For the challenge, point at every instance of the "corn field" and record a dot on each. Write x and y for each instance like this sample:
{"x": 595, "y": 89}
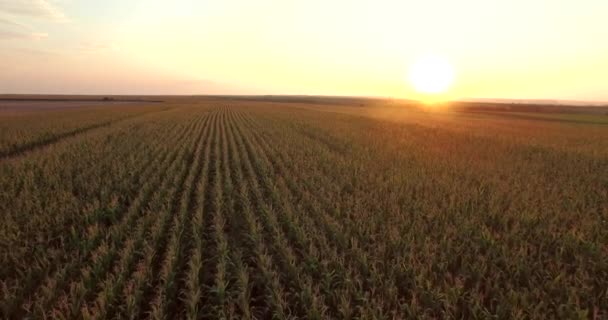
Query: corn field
{"x": 236, "y": 209}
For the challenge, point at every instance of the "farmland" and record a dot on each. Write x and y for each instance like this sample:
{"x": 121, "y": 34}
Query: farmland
{"x": 243, "y": 208}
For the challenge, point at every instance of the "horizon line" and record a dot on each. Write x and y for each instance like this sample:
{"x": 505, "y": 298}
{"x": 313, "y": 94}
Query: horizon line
{"x": 543, "y": 101}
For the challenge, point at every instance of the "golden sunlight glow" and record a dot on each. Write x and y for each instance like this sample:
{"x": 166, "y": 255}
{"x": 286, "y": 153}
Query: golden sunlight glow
{"x": 385, "y": 48}
{"x": 431, "y": 75}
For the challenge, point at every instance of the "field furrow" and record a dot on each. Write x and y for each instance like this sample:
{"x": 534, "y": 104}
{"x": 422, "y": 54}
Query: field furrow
{"x": 222, "y": 208}
{"x": 136, "y": 216}
{"x": 47, "y": 139}
{"x": 77, "y": 248}
{"x": 166, "y": 238}
{"x": 123, "y": 270}
{"x": 331, "y": 257}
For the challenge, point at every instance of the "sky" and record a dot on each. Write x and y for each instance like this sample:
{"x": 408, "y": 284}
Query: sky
{"x": 516, "y": 49}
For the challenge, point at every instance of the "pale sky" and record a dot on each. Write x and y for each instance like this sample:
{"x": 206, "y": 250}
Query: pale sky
{"x": 528, "y": 49}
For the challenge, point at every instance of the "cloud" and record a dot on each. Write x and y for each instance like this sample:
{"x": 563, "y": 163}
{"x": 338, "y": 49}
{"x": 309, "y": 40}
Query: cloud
{"x": 41, "y": 9}
{"x": 11, "y": 30}
{"x": 12, "y": 11}
{"x": 8, "y": 35}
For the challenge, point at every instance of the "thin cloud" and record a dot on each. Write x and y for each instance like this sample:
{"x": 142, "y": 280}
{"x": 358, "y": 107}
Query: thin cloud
{"x": 41, "y": 9}
{"x": 11, "y": 30}
{"x": 16, "y": 35}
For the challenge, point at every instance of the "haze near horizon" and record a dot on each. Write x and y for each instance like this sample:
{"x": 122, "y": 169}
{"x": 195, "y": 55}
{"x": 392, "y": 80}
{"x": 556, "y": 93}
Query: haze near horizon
{"x": 492, "y": 49}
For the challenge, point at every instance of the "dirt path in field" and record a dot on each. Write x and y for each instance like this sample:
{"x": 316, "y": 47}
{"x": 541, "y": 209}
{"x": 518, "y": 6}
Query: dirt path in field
{"x": 45, "y": 142}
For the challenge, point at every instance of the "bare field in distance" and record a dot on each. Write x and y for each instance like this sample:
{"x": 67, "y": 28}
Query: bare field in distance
{"x": 302, "y": 207}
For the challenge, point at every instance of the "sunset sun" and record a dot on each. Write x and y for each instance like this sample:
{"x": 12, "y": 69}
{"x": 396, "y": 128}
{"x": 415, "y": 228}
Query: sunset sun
{"x": 431, "y": 75}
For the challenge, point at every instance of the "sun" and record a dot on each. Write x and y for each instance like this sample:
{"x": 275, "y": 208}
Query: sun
{"x": 431, "y": 75}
